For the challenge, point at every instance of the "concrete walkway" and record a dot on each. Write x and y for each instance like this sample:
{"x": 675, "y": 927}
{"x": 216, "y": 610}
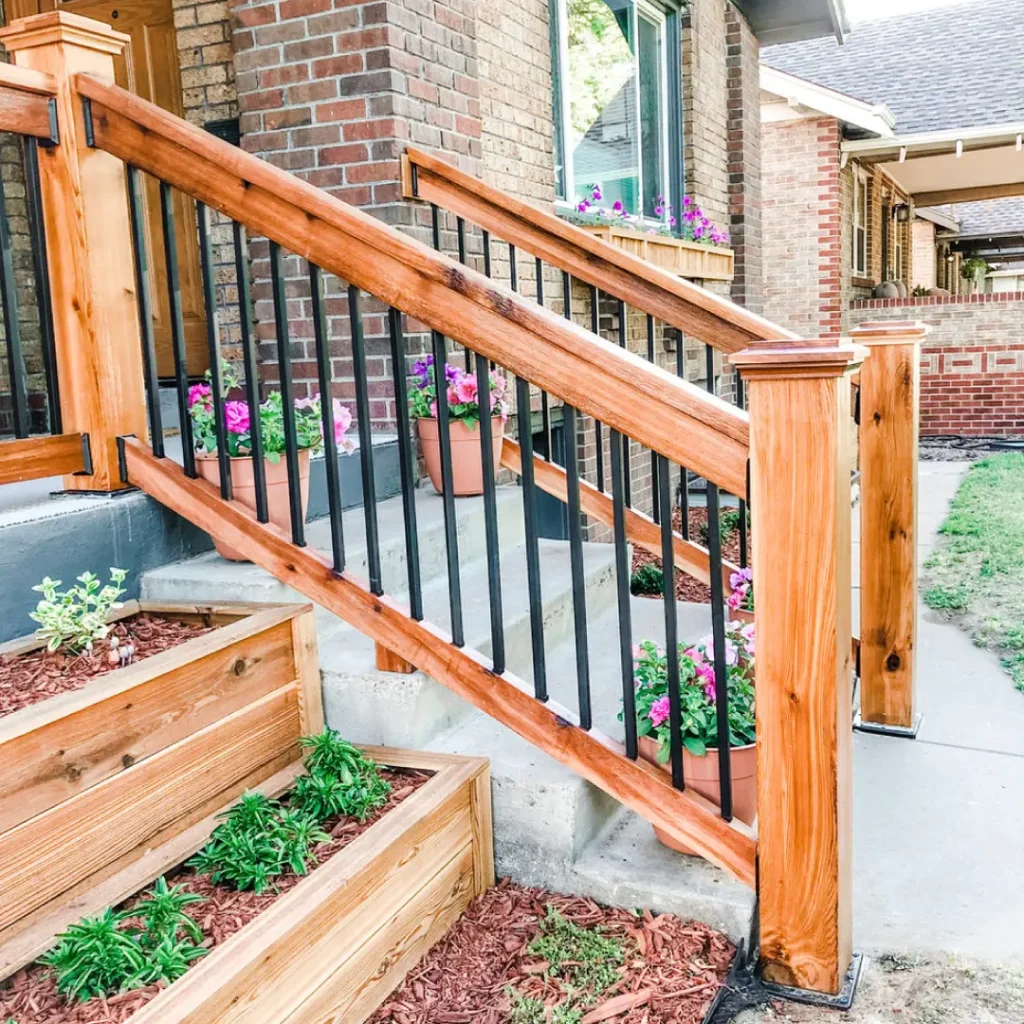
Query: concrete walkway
{"x": 939, "y": 821}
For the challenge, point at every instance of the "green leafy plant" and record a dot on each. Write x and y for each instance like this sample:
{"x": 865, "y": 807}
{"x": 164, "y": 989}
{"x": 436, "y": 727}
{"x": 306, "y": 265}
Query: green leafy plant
{"x": 95, "y": 957}
{"x": 647, "y": 579}
{"x": 971, "y": 267}
{"x": 161, "y": 912}
{"x": 76, "y": 617}
{"x": 583, "y": 959}
{"x": 339, "y": 780}
{"x": 920, "y": 291}
{"x": 256, "y": 842}
{"x": 527, "y": 1010}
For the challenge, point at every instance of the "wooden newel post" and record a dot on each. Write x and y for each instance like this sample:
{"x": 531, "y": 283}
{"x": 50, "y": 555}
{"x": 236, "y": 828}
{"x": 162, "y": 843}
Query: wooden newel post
{"x": 889, "y": 399}
{"x": 799, "y": 403}
{"x": 89, "y": 252}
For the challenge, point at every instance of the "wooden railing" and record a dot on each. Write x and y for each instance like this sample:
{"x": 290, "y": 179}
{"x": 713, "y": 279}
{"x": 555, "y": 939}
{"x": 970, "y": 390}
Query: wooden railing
{"x": 794, "y": 434}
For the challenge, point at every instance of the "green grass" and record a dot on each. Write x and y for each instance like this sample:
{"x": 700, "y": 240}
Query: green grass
{"x": 977, "y": 575}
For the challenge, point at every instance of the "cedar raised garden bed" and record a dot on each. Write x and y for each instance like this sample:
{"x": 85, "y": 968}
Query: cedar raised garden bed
{"x": 334, "y": 946}
{"x": 92, "y": 780}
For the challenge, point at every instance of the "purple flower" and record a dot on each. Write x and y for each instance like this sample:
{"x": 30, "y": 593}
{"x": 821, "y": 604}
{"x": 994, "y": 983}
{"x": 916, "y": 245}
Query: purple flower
{"x": 236, "y": 416}
{"x": 597, "y": 194}
{"x": 617, "y": 206}
{"x": 583, "y": 206}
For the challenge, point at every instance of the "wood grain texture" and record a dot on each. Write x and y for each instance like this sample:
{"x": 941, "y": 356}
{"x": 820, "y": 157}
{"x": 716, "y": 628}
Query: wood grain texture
{"x": 304, "y": 940}
{"x": 306, "y": 655}
{"x": 968, "y": 195}
{"x": 160, "y": 857}
{"x": 49, "y": 853}
{"x": 58, "y": 749}
{"x": 549, "y": 726}
{"x": 25, "y": 113}
{"x": 28, "y": 80}
{"x": 483, "y": 831}
{"x": 35, "y": 458}
{"x": 890, "y": 395}
{"x": 88, "y": 248}
{"x": 641, "y": 530}
{"x": 388, "y": 661}
{"x": 623, "y": 390}
{"x": 699, "y": 313}
{"x": 800, "y": 505}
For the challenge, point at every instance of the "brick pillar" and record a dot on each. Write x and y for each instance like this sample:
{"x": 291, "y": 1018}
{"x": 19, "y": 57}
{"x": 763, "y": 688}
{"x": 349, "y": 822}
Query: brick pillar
{"x": 333, "y": 91}
{"x": 744, "y": 148}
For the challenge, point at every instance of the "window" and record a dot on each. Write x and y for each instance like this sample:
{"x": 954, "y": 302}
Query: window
{"x": 617, "y": 106}
{"x": 860, "y": 223}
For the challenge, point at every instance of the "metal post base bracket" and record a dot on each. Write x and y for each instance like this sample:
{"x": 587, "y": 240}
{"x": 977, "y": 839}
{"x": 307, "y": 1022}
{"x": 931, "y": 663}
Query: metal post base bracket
{"x": 903, "y": 731}
{"x": 842, "y": 1001}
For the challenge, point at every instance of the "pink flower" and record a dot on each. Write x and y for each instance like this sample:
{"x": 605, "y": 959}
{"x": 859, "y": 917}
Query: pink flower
{"x": 306, "y": 402}
{"x": 433, "y": 409}
{"x": 466, "y": 390}
{"x": 236, "y": 415}
{"x": 199, "y": 393}
{"x": 748, "y": 634}
{"x": 660, "y": 711}
{"x": 342, "y": 421}
{"x": 735, "y": 599}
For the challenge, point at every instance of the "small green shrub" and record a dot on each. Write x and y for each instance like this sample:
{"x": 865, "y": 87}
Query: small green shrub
{"x": 340, "y": 780}
{"x": 948, "y": 597}
{"x": 582, "y": 958}
{"x": 75, "y": 617}
{"x": 527, "y": 1010}
{"x": 647, "y": 579}
{"x": 161, "y": 912}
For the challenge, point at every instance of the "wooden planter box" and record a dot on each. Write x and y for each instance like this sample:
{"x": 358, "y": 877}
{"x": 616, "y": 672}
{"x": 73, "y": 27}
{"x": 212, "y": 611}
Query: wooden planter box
{"x": 685, "y": 259}
{"x": 92, "y": 780}
{"x": 336, "y": 945}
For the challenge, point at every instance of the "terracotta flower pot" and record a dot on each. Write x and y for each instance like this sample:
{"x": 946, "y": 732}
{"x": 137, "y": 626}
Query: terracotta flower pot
{"x": 243, "y": 489}
{"x": 467, "y": 457}
{"x": 701, "y": 775}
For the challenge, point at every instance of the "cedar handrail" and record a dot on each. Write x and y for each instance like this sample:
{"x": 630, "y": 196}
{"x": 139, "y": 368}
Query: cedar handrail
{"x": 699, "y": 313}
{"x": 27, "y": 105}
{"x": 38, "y": 457}
{"x": 644, "y": 402}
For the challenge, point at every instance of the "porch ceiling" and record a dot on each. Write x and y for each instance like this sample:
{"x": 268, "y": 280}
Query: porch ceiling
{"x": 954, "y": 166}
{"x": 789, "y": 21}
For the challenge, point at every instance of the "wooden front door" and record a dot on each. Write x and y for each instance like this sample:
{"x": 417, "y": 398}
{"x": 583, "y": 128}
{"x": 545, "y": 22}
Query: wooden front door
{"x": 151, "y": 70}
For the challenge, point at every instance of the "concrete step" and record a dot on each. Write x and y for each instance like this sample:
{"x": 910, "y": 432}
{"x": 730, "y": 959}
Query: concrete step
{"x": 370, "y": 706}
{"x": 554, "y": 829}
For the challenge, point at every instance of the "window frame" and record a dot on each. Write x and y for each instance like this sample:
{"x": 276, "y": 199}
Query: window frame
{"x": 861, "y": 209}
{"x": 667, "y": 14}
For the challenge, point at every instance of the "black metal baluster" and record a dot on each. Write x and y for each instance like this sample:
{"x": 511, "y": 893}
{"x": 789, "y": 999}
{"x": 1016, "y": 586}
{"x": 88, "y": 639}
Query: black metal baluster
{"x": 355, "y": 316}
{"x": 145, "y": 306}
{"x": 655, "y": 489}
{"x": 460, "y": 230}
{"x": 721, "y": 669}
{"x": 284, "y": 361}
{"x": 324, "y": 375}
{"x": 595, "y": 328}
{"x": 684, "y": 502}
{"x": 513, "y": 268}
{"x": 540, "y": 683}
{"x": 451, "y": 526}
{"x": 622, "y": 578}
{"x": 490, "y": 516}
{"x": 12, "y": 328}
{"x": 406, "y": 463}
{"x": 250, "y": 370}
{"x": 675, "y": 718}
{"x": 709, "y": 367}
{"x": 579, "y": 583}
{"x": 37, "y": 231}
{"x": 680, "y": 356}
{"x": 177, "y": 328}
{"x": 145, "y": 301}
{"x": 624, "y": 344}
{"x": 545, "y": 404}
{"x": 485, "y": 237}
{"x": 744, "y": 505}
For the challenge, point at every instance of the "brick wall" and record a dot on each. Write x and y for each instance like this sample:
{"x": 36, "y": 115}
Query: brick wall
{"x": 744, "y": 153}
{"x": 803, "y": 226}
{"x": 972, "y": 363}
{"x": 923, "y": 272}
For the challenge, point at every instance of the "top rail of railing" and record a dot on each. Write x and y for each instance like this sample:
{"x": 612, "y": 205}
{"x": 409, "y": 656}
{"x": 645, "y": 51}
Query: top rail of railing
{"x": 648, "y": 404}
{"x": 699, "y": 313}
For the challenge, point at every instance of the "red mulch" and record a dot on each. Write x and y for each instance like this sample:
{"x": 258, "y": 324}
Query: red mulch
{"x": 30, "y": 995}
{"x": 38, "y": 675}
{"x": 670, "y": 976}
{"x": 688, "y": 588}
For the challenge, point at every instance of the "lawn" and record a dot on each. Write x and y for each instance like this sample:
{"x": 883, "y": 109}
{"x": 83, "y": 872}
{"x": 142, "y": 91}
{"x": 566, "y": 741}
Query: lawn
{"x": 977, "y": 573}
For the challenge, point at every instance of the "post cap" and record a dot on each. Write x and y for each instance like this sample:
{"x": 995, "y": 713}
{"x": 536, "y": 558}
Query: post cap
{"x": 783, "y": 359}
{"x": 62, "y": 27}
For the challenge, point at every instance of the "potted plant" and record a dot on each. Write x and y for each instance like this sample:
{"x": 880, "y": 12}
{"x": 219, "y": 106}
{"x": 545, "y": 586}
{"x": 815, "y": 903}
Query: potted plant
{"x": 238, "y": 423}
{"x": 464, "y": 421}
{"x": 697, "y": 695}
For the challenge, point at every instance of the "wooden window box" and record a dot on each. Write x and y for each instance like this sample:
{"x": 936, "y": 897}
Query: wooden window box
{"x": 336, "y": 945}
{"x": 92, "y": 780}
{"x": 685, "y": 259}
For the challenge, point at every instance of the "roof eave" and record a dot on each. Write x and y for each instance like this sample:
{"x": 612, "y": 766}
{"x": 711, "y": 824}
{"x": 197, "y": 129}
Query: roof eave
{"x": 792, "y": 21}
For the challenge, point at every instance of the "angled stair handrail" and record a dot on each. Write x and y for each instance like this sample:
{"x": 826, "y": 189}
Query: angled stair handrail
{"x": 680, "y": 303}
